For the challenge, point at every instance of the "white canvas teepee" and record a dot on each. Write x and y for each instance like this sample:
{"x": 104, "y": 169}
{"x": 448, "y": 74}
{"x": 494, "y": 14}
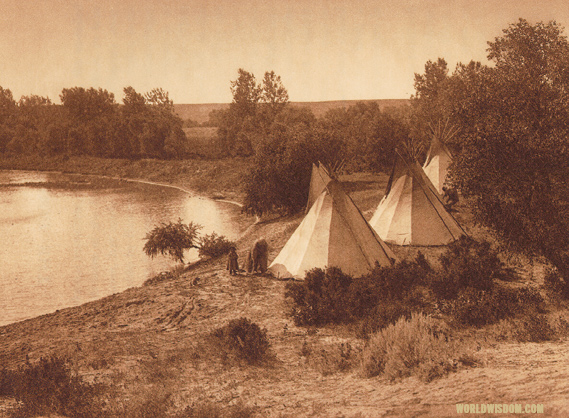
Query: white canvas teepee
{"x": 412, "y": 211}
{"x": 334, "y": 233}
{"x": 439, "y": 157}
{"x": 318, "y": 181}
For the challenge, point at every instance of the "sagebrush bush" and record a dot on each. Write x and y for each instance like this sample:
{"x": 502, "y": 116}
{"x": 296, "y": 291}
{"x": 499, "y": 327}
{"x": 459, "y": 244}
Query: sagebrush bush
{"x": 478, "y": 307}
{"x": 165, "y": 276}
{"x": 554, "y": 284}
{"x": 214, "y": 245}
{"x": 468, "y": 263}
{"x": 49, "y": 387}
{"x": 321, "y": 298}
{"x": 331, "y": 296}
{"x": 242, "y": 340}
{"x": 417, "y": 346}
{"x": 529, "y": 328}
{"x": 383, "y": 314}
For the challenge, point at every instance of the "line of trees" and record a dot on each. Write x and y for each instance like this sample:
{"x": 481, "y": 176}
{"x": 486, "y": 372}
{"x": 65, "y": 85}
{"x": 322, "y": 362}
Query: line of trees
{"x": 90, "y": 122}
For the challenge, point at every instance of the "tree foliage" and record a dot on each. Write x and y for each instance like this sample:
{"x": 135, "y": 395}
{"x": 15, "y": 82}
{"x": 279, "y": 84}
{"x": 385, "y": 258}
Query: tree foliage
{"x": 251, "y": 113}
{"x": 172, "y": 239}
{"x": 512, "y": 151}
{"x": 365, "y": 135}
{"x": 280, "y": 176}
{"x": 90, "y": 122}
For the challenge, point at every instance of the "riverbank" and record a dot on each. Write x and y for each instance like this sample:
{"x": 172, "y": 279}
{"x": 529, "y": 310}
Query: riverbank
{"x": 150, "y": 345}
{"x": 218, "y": 179}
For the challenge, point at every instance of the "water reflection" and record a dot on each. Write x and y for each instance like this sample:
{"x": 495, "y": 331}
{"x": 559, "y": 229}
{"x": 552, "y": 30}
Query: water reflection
{"x": 63, "y": 245}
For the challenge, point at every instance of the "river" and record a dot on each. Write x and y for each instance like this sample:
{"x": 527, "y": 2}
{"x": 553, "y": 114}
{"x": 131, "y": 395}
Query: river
{"x": 69, "y": 239}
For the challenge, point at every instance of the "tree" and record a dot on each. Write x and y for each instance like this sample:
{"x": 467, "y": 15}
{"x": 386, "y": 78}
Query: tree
{"x": 430, "y": 103}
{"x": 172, "y": 239}
{"x": 160, "y": 98}
{"x": 273, "y": 94}
{"x": 93, "y": 116}
{"x": 514, "y": 121}
{"x": 246, "y": 123}
{"x": 280, "y": 176}
{"x": 133, "y": 102}
{"x": 246, "y": 94}
{"x": 366, "y": 135}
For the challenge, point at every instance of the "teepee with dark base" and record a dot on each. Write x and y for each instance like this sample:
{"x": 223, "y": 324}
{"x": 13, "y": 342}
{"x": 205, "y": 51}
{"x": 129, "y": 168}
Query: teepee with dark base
{"x": 412, "y": 211}
{"x": 439, "y": 157}
{"x": 334, "y": 233}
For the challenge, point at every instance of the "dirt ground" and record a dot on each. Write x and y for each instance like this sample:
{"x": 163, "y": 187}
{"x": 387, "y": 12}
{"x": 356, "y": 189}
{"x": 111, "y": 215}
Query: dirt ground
{"x": 148, "y": 342}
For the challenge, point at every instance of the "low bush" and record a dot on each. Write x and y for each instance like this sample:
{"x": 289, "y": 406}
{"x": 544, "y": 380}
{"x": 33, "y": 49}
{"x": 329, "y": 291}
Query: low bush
{"x": 529, "y": 328}
{"x": 417, "y": 346}
{"x": 214, "y": 245}
{"x": 166, "y": 276}
{"x": 331, "y": 296}
{"x": 468, "y": 264}
{"x": 242, "y": 340}
{"x": 555, "y": 285}
{"x": 478, "y": 307}
{"x": 321, "y": 298}
{"x": 383, "y": 314}
{"x": 49, "y": 387}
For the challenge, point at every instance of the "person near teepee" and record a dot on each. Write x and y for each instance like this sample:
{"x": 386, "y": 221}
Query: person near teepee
{"x": 450, "y": 196}
{"x": 232, "y": 263}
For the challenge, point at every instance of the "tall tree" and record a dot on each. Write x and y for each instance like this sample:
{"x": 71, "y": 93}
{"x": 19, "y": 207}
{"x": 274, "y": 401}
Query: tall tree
{"x": 252, "y": 111}
{"x": 514, "y": 141}
{"x": 160, "y": 98}
{"x": 246, "y": 94}
{"x": 273, "y": 93}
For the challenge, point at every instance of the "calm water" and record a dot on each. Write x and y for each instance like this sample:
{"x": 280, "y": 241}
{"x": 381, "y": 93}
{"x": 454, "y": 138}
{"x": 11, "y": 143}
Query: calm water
{"x": 68, "y": 239}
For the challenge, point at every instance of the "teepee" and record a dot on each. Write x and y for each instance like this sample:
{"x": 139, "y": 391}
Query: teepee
{"x": 412, "y": 211}
{"x": 319, "y": 179}
{"x": 334, "y": 233}
{"x": 439, "y": 157}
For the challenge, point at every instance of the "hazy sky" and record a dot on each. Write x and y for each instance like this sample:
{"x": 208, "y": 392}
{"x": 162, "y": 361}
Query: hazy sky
{"x": 322, "y": 49}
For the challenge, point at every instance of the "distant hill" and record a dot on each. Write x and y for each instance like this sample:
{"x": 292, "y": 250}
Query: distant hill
{"x": 200, "y": 112}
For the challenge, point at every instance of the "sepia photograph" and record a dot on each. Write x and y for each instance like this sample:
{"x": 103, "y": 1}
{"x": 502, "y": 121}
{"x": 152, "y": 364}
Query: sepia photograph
{"x": 284, "y": 208}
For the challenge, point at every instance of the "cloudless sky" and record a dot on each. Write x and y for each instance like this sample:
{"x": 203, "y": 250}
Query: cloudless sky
{"x": 322, "y": 49}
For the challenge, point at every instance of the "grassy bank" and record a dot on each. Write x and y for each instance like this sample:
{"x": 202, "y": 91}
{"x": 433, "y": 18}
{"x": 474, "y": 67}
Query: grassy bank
{"x": 212, "y": 178}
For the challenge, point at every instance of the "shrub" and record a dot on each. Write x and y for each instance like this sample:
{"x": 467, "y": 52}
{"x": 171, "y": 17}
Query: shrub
{"x": 49, "y": 387}
{"x": 171, "y": 239}
{"x": 555, "y": 284}
{"x": 478, "y": 307}
{"x": 165, "y": 276}
{"x": 384, "y": 314}
{"x": 321, "y": 298}
{"x": 468, "y": 263}
{"x": 418, "y": 346}
{"x": 334, "y": 297}
{"x": 242, "y": 340}
{"x": 529, "y": 328}
{"x": 214, "y": 245}
{"x": 7, "y": 378}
